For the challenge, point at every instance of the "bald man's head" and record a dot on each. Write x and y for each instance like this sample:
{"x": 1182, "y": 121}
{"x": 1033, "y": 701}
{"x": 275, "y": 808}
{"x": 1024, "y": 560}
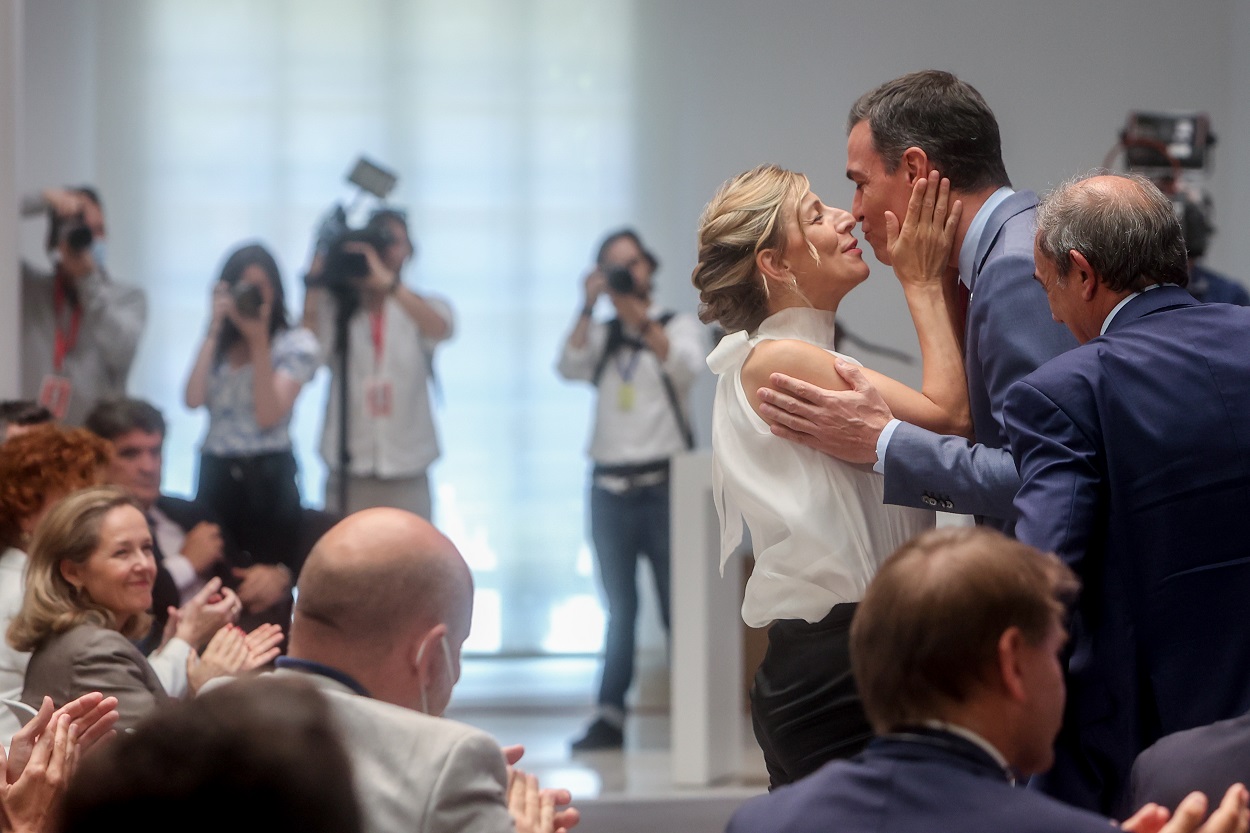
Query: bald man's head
{"x": 376, "y": 578}
{"x": 1122, "y": 224}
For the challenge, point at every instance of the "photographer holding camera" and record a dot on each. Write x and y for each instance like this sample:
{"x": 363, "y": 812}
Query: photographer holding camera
{"x": 248, "y": 372}
{"x": 80, "y": 329}
{"x": 642, "y": 363}
{"x": 391, "y": 333}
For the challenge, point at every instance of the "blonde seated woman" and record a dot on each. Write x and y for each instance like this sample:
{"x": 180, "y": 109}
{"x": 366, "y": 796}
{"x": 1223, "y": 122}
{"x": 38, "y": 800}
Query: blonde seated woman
{"x": 88, "y": 589}
{"x": 774, "y": 264}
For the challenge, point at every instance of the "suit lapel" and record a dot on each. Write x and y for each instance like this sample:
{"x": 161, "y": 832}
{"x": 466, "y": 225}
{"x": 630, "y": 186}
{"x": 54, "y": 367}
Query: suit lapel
{"x": 1017, "y": 203}
{"x": 1153, "y": 300}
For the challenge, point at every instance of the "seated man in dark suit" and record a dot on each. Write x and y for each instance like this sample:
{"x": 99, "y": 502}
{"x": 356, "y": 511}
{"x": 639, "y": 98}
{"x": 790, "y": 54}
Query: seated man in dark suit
{"x": 956, "y": 649}
{"x": 1207, "y": 758}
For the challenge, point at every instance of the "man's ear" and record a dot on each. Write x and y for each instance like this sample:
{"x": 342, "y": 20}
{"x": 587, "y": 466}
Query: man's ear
{"x": 916, "y": 164}
{"x": 1010, "y": 672}
{"x": 429, "y": 651}
{"x": 1085, "y": 273}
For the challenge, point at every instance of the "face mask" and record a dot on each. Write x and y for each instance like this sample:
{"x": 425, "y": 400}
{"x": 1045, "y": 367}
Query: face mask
{"x": 98, "y": 249}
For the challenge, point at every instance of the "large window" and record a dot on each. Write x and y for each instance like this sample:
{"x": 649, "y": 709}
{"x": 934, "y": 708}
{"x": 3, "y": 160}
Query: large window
{"x": 508, "y": 123}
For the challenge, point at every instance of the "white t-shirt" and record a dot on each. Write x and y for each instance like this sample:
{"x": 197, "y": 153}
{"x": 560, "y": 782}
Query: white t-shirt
{"x": 818, "y": 526}
{"x": 396, "y": 436}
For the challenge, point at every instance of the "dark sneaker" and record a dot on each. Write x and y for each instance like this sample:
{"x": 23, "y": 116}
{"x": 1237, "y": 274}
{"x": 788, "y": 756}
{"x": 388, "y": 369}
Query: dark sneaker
{"x": 600, "y": 735}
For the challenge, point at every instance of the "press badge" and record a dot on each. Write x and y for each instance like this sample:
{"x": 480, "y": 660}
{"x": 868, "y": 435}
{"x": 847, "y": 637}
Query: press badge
{"x": 625, "y": 397}
{"x": 54, "y": 395}
{"x": 379, "y": 399}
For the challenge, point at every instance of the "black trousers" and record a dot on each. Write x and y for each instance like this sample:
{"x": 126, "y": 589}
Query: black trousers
{"x": 805, "y": 707}
{"x": 258, "y": 502}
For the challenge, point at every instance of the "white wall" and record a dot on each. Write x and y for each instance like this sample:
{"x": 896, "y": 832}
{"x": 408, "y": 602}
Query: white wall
{"x": 10, "y": 104}
{"x": 728, "y": 84}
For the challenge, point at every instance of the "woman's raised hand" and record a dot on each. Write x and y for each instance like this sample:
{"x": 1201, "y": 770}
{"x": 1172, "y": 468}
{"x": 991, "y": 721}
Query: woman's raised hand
{"x": 920, "y": 249}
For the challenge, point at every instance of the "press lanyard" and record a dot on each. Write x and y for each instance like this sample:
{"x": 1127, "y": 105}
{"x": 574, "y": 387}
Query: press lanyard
{"x": 377, "y": 329}
{"x": 627, "y": 368}
{"x": 65, "y": 340}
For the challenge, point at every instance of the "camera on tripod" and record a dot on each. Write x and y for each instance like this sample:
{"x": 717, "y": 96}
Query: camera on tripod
{"x": 342, "y": 269}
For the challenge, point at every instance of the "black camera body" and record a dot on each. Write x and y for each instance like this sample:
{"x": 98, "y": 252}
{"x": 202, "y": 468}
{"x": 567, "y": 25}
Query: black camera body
{"x": 247, "y": 299}
{"x": 620, "y": 280}
{"x": 78, "y": 235}
{"x": 342, "y": 270}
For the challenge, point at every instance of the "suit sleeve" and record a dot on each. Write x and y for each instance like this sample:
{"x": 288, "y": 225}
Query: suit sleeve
{"x": 1059, "y": 471}
{"x": 1015, "y": 334}
{"x": 110, "y": 665}
{"x": 966, "y": 478}
{"x": 470, "y": 793}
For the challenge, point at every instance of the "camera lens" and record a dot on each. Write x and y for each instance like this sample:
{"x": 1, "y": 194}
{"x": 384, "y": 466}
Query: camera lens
{"x": 247, "y": 299}
{"x": 619, "y": 280}
{"x": 79, "y": 238}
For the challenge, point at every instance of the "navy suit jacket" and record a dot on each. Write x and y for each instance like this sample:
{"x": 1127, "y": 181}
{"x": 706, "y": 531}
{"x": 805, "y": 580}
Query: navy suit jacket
{"x": 918, "y": 782}
{"x": 1209, "y": 759}
{"x": 1008, "y": 334}
{"x": 1134, "y": 452}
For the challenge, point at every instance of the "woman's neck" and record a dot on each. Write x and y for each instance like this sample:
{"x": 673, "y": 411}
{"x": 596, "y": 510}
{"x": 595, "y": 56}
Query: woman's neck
{"x": 791, "y": 300}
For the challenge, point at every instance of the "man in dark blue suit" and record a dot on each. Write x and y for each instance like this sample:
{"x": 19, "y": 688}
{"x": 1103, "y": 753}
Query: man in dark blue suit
{"x": 1134, "y": 455}
{"x": 903, "y": 129}
{"x": 957, "y": 649}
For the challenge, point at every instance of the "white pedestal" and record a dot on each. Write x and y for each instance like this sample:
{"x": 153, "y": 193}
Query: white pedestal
{"x": 706, "y": 677}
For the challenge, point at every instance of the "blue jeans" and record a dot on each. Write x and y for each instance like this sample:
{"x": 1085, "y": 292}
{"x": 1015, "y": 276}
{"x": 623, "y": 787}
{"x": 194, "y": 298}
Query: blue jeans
{"x": 624, "y": 526}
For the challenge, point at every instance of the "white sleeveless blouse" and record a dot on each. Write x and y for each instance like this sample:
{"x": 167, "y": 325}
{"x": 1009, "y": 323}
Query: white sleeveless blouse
{"x": 818, "y": 526}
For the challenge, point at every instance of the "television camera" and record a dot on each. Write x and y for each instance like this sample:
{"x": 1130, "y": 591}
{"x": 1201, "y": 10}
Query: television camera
{"x": 342, "y": 269}
{"x": 1174, "y": 151}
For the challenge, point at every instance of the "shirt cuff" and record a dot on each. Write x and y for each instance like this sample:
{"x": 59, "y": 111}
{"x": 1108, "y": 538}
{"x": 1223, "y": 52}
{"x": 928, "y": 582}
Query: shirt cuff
{"x": 883, "y": 442}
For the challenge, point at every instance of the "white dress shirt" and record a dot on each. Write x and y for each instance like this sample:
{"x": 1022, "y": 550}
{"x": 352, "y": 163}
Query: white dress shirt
{"x": 403, "y": 442}
{"x": 646, "y": 431}
{"x": 12, "y": 662}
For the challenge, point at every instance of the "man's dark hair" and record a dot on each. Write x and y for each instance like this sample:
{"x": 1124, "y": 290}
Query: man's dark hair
{"x": 253, "y": 756}
{"x": 112, "y": 418}
{"x": 380, "y": 220}
{"x": 24, "y": 412}
{"x": 1130, "y": 235}
{"x": 627, "y": 234}
{"x": 925, "y": 635}
{"x": 943, "y": 116}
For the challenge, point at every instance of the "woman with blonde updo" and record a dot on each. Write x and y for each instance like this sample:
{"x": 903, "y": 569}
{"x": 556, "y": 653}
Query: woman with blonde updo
{"x": 774, "y": 264}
